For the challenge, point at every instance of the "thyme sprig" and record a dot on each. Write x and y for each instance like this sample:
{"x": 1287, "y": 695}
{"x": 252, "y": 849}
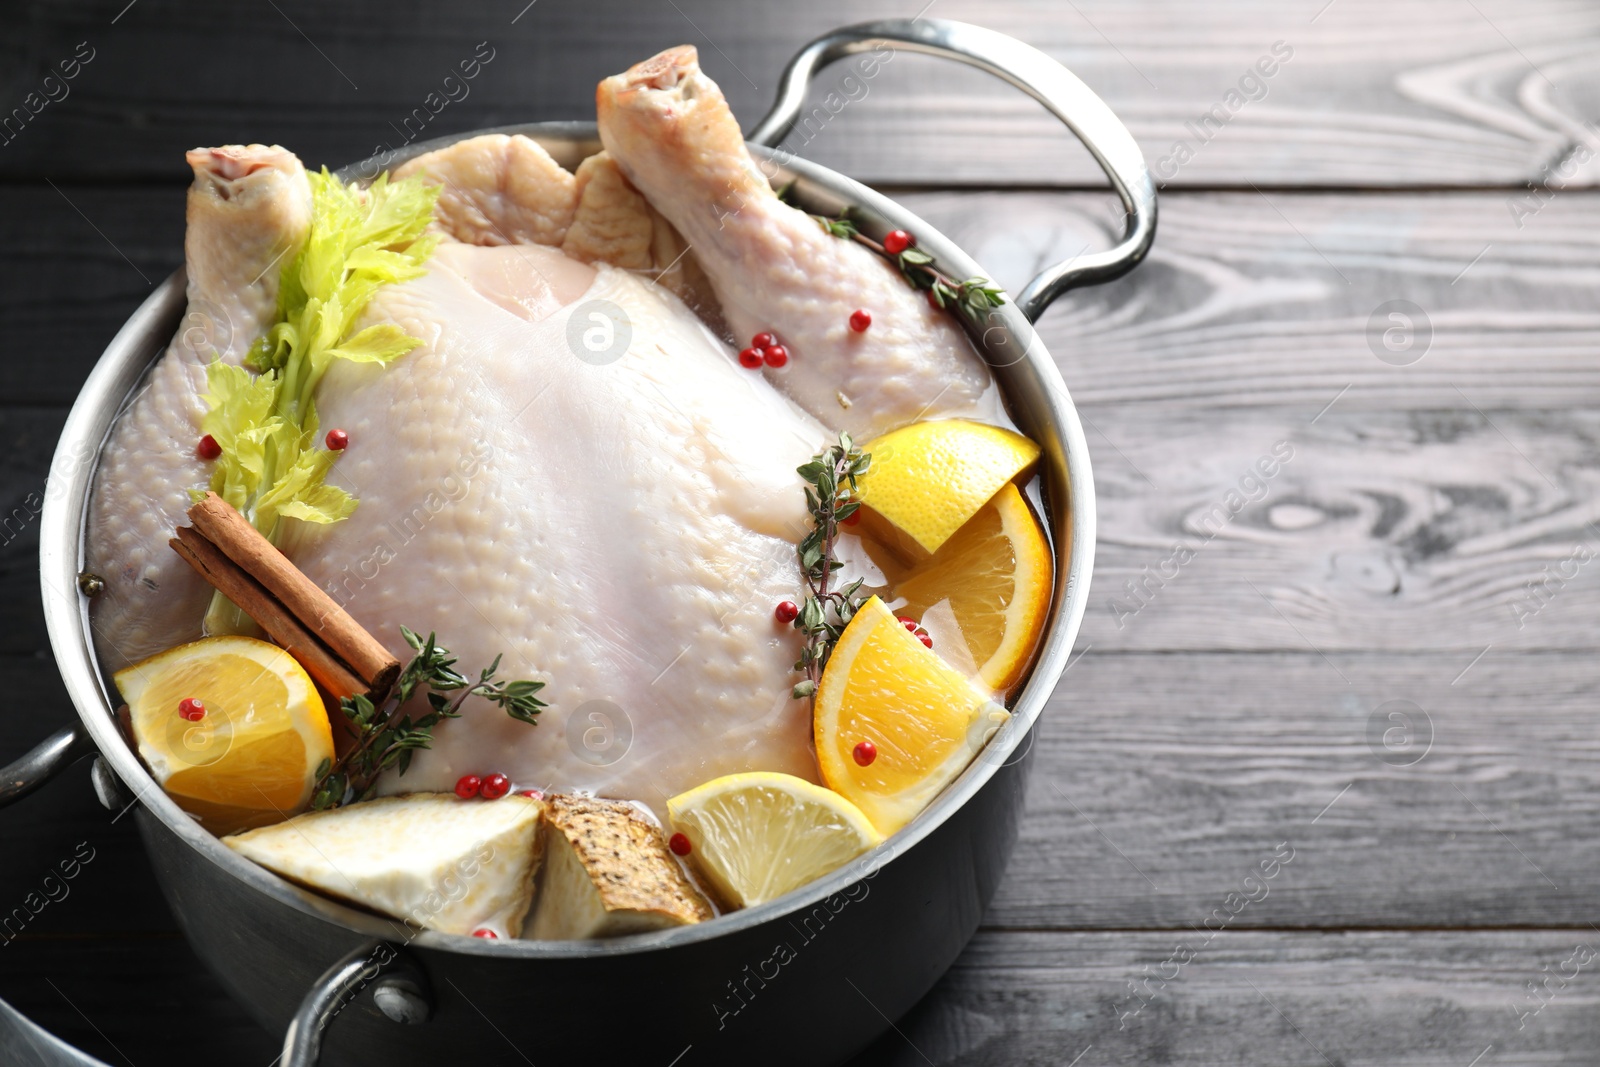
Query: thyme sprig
{"x": 386, "y": 739}
{"x": 831, "y": 492}
{"x": 972, "y": 297}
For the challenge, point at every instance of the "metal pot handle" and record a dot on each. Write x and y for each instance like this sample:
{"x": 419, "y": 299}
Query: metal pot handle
{"x": 46, "y": 760}
{"x": 402, "y": 994}
{"x": 1036, "y": 74}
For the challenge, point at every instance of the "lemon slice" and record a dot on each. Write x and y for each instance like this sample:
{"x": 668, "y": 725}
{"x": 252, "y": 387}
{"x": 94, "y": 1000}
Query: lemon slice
{"x": 252, "y": 757}
{"x": 923, "y": 719}
{"x": 995, "y": 574}
{"x": 926, "y": 480}
{"x": 756, "y": 836}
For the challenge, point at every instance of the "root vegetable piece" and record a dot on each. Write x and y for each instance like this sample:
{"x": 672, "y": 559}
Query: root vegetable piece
{"x": 607, "y": 871}
{"x": 429, "y": 858}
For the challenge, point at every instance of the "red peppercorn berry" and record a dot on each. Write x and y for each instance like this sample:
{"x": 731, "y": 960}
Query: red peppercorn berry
{"x": 337, "y": 440}
{"x": 191, "y": 709}
{"x": 852, "y": 519}
{"x": 775, "y": 355}
{"x": 864, "y": 753}
{"x": 933, "y": 301}
{"x": 763, "y": 340}
{"x": 750, "y": 358}
{"x": 915, "y": 629}
{"x": 897, "y": 241}
{"x": 680, "y": 845}
{"x": 468, "y": 785}
{"x": 208, "y": 448}
{"x": 486, "y": 933}
{"x": 787, "y": 611}
{"x": 531, "y": 794}
{"x": 494, "y": 786}
{"x": 860, "y": 319}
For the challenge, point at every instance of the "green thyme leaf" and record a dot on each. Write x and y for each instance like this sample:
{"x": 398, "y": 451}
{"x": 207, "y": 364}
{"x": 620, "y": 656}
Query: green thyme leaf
{"x": 830, "y": 496}
{"x": 386, "y": 739}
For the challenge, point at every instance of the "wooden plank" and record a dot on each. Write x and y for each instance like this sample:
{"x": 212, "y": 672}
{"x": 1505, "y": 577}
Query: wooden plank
{"x": 28, "y": 437}
{"x": 1370, "y": 92}
{"x": 1163, "y": 783}
{"x": 74, "y": 264}
{"x": 1447, "y": 530}
{"x": 1254, "y": 299}
{"x": 1440, "y": 999}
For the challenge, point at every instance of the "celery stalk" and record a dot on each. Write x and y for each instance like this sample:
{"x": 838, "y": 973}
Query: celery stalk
{"x": 272, "y": 466}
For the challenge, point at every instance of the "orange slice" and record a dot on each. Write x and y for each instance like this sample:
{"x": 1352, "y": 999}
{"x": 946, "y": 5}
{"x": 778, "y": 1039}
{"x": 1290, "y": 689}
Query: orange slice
{"x": 926, "y": 480}
{"x": 995, "y": 575}
{"x": 252, "y": 758}
{"x": 924, "y": 720}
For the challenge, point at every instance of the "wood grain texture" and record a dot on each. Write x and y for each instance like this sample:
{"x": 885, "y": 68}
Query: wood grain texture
{"x": 74, "y": 264}
{"x": 1371, "y": 92}
{"x": 28, "y": 437}
{"x": 1441, "y": 530}
{"x": 1163, "y": 782}
{"x": 1351, "y": 1000}
{"x": 1251, "y": 299}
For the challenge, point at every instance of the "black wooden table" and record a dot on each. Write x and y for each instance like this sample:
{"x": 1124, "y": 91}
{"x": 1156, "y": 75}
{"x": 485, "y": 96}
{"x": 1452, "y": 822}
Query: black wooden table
{"x": 1370, "y": 674}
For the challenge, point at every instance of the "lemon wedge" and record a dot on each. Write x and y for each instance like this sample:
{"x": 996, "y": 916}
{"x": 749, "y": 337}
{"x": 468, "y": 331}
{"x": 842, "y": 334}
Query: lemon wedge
{"x": 923, "y": 720}
{"x": 926, "y": 480}
{"x": 251, "y": 756}
{"x": 756, "y": 836}
{"x": 995, "y": 575}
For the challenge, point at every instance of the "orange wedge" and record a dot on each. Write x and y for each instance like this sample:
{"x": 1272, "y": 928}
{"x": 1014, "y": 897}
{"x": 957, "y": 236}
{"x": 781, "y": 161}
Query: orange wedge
{"x": 252, "y": 757}
{"x": 923, "y": 719}
{"x": 995, "y": 575}
{"x": 927, "y": 479}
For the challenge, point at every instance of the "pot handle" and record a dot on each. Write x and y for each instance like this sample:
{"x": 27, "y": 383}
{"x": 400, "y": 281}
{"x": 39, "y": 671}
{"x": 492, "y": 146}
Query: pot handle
{"x": 1036, "y": 74}
{"x": 402, "y": 993}
{"x": 46, "y": 760}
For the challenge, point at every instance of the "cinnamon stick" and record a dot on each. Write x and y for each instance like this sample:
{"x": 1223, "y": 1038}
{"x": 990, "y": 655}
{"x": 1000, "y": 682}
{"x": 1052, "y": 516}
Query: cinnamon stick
{"x": 255, "y": 601}
{"x": 314, "y": 609}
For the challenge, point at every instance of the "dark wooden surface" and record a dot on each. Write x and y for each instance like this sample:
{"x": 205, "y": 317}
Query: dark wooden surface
{"x": 1404, "y": 553}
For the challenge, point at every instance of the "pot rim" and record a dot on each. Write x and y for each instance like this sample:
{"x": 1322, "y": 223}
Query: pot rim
{"x": 142, "y": 341}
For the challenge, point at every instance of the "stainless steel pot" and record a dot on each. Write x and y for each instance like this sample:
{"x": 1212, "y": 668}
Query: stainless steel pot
{"x": 808, "y": 979}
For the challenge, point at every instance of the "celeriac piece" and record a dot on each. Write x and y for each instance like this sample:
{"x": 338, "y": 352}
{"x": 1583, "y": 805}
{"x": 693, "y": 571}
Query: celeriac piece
{"x": 432, "y": 859}
{"x": 608, "y": 872}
